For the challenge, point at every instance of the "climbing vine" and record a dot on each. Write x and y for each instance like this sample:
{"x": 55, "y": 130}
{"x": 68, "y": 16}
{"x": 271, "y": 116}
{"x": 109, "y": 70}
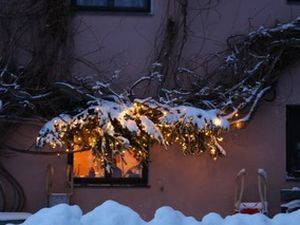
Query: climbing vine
{"x": 95, "y": 117}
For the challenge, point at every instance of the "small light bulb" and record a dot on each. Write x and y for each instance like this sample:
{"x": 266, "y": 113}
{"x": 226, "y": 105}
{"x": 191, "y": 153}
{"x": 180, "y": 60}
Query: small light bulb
{"x": 217, "y": 122}
{"x": 220, "y": 138}
{"x": 239, "y": 125}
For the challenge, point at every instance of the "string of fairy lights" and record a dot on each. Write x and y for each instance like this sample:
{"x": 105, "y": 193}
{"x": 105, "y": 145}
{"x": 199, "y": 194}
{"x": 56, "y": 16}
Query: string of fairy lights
{"x": 108, "y": 129}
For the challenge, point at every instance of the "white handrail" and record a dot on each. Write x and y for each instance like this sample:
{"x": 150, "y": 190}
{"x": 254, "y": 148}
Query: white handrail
{"x": 240, "y": 185}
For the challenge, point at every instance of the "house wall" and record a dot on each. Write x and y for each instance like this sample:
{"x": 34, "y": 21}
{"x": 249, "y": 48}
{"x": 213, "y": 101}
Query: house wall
{"x": 193, "y": 185}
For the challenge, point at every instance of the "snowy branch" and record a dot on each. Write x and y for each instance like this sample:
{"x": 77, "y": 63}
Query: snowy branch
{"x": 190, "y": 108}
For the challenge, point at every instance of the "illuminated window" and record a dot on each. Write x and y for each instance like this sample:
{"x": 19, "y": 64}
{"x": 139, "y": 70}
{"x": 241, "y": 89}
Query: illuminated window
{"x": 293, "y": 141}
{"x": 113, "y": 5}
{"x": 89, "y": 171}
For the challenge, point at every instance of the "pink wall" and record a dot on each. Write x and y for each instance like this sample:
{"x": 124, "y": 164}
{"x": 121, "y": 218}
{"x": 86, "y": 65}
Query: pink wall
{"x": 194, "y": 185}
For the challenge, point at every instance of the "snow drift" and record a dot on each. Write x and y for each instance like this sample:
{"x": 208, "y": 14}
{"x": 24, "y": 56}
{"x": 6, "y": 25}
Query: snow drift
{"x": 113, "y": 213}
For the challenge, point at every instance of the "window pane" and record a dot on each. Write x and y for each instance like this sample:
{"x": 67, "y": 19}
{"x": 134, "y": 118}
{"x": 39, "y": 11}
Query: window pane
{"x": 85, "y": 165}
{"x": 92, "y": 2}
{"x": 130, "y": 3}
{"x": 293, "y": 139}
{"x": 127, "y": 167}
{"x": 113, "y": 5}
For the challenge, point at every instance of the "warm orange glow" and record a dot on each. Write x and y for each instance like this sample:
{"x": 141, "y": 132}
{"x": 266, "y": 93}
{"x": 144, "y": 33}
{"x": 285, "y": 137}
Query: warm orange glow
{"x": 220, "y": 139}
{"x": 130, "y": 167}
{"x": 85, "y": 165}
{"x": 239, "y": 125}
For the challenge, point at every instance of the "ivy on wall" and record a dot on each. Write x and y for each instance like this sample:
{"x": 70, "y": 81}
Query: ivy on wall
{"x": 85, "y": 116}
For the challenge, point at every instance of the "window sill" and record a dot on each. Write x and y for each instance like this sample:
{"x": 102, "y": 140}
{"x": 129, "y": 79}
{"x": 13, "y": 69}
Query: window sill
{"x": 112, "y": 13}
{"x": 292, "y": 178}
{"x": 291, "y": 194}
{"x": 112, "y": 182}
{"x": 112, "y": 186}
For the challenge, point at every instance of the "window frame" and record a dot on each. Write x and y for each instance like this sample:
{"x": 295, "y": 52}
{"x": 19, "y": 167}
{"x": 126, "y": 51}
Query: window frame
{"x": 109, "y": 181}
{"x": 292, "y": 174}
{"x": 112, "y": 8}
{"x": 293, "y": 2}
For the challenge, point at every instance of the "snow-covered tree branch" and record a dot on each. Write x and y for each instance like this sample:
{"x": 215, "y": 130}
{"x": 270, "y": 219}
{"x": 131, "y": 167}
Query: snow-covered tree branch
{"x": 189, "y": 107}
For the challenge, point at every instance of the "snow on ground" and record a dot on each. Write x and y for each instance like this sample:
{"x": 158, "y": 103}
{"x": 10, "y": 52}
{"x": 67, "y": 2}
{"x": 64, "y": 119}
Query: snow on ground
{"x": 14, "y": 216}
{"x": 113, "y": 213}
{"x": 61, "y": 214}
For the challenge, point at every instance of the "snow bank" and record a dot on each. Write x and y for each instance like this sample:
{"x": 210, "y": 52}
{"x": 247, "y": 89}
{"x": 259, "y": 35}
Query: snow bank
{"x": 113, "y": 213}
{"x": 61, "y": 214}
{"x": 168, "y": 216}
{"x": 4, "y": 216}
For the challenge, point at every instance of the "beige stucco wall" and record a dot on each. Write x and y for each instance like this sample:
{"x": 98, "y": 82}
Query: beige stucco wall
{"x": 194, "y": 185}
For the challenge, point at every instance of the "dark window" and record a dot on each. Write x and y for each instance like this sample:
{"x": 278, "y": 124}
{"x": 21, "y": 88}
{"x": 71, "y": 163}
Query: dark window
{"x": 113, "y": 5}
{"x": 88, "y": 170}
{"x": 293, "y": 140}
{"x": 293, "y": 1}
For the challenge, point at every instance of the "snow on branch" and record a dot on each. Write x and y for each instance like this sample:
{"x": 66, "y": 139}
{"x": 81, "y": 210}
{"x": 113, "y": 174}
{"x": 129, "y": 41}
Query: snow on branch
{"x": 109, "y": 128}
{"x": 99, "y": 119}
{"x": 244, "y": 73}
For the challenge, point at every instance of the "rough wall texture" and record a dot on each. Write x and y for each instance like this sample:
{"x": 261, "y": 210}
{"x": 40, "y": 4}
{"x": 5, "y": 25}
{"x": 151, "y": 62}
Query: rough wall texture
{"x": 194, "y": 185}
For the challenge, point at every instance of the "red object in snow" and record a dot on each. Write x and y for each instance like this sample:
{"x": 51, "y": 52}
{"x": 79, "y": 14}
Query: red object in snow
{"x": 250, "y": 211}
